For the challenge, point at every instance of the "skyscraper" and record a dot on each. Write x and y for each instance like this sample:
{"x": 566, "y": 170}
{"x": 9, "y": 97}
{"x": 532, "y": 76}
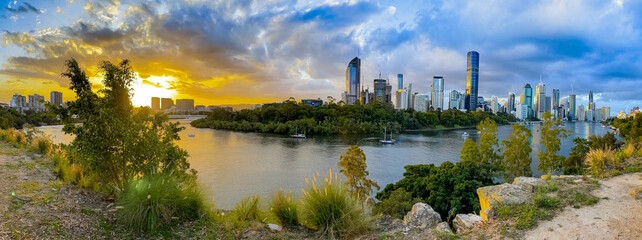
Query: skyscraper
{"x": 166, "y": 103}
{"x": 527, "y": 98}
{"x": 472, "y": 80}
{"x": 437, "y": 95}
{"x": 590, "y": 96}
{"x": 540, "y": 100}
{"x": 420, "y": 103}
{"x": 155, "y": 103}
{"x": 55, "y": 98}
{"x": 399, "y": 81}
{"x": 353, "y": 80}
{"x": 572, "y": 111}
{"x": 380, "y": 90}
{"x": 454, "y": 100}
{"x": 511, "y": 102}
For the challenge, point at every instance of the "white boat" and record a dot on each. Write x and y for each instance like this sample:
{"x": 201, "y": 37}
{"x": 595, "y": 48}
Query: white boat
{"x": 188, "y": 119}
{"x": 384, "y": 141}
{"x": 190, "y": 135}
{"x": 465, "y": 135}
{"x": 297, "y": 134}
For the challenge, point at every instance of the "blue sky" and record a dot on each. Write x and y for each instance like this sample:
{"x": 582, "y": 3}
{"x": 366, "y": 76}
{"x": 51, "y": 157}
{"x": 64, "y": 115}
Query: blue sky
{"x": 230, "y": 52}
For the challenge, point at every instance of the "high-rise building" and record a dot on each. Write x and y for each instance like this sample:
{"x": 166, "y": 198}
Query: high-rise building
{"x": 455, "y": 99}
{"x": 511, "y": 102}
{"x": 556, "y": 103}
{"x": 472, "y": 80}
{"x": 185, "y": 104}
{"x": 380, "y": 90}
{"x": 606, "y": 113}
{"x": 540, "y": 100}
{"x": 155, "y": 103}
{"x": 409, "y": 101}
{"x": 494, "y": 104}
{"x": 527, "y": 99}
{"x": 55, "y": 98}
{"x": 18, "y": 101}
{"x": 166, "y": 103}
{"x": 522, "y": 111}
{"x": 572, "y": 109}
{"x": 399, "y": 99}
{"x": 420, "y": 103}
{"x": 365, "y": 96}
{"x": 353, "y": 80}
{"x": 590, "y": 96}
{"x": 437, "y": 94}
{"x": 399, "y": 81}
{"x": 388, "y": 93}
{"x": 580, "y": 113}
{"x": 36, "y": 101}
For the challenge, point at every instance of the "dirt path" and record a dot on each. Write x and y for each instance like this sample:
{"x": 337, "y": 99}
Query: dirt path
{"x": 619, "y": 216}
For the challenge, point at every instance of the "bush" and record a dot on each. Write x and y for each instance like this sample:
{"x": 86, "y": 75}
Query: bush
{"x": 20, "y": 138}
{"x": 159, "y": 200}
{"x": 284, "y": 208}
{"x": 397, "y": 205}
{"x": 7, "y": 136}
{"x": 331, "y": 209}
{"x": 43, "y": 145}
{"x": 598, "y": 159}
{"x": 548, "y": 202}
{"x": 525, "y": 215}
{"x": 628, "y": 150}
{"x": 248, "y": 209}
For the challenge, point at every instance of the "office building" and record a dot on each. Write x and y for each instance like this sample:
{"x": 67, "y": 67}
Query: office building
{"x": 365, "y": 96}
{"x": 511, "y": 102}
{"x": 556, "y": 103}
{"x": 522, "y": 111}
{"x": 494, "y": 104}
{"x": 380, "y": 90}
{"x": 18, "y": 101}
{"x": 572, "y": 109}
{"x": 590, "y": 97}
{"x": 606, "y": 113}
{"x": 437, "y": 92}
{"x": 527, "y": 99}
{"x": 580, "y": 113}
{"x": 399, "y": 81}
{"x": 185, "y": 105}
{"x": 472, "y": 80}
{"x": 55, "y": 98}
{"x": 420, "y": 102}
{"x": 455, "y": 100}
{"x": 410, "y": 101}
{"x": 353, "y": 80}
{"x": 166, "y": 103}
{"x": 539, "y": 99}
{"x": 402, "y": 99}
{"x": 589, "y": 115}
{"x": 155, "y": 103}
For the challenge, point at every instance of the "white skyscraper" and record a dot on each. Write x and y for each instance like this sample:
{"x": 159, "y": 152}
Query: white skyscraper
{"x": 420, "y": 103}
{"x": 437, "y": 93}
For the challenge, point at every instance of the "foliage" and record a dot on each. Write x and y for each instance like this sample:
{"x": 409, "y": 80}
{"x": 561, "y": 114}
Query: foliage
{"x": 11, "y": 118}
{"x": 547, "y": 202}
{"x": 598, "y": 159}
{"x": 331, "y": 209}
{"x": 517, "y": 149}
{"x": 608, "y": 140}
{"x": 630, "y": 128}
{"x": 551, "y": 135}
{"x": 574, "y": 163}
{"x": 114, "y": 142}
{"x": 488, "y": 144}
{"x": 43, "y": 145}
{"x": 354, "y": 167}
{"x": 284, "y": 208}
{"x": 158, "y": 200}
{"x": 247, "y": 209}
{"x": 469, "y": 152}
{"x": 397, "y": 204}
{"x": 332, "y": 118}
{"x": 525, "y": 215}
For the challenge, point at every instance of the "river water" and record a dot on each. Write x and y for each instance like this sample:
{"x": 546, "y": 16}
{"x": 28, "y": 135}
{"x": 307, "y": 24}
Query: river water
{"x": 234, "y": 165}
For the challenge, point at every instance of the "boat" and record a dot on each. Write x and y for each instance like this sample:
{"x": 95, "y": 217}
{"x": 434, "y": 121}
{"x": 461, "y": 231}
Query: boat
{"x": 188, "y": 119}
{"x": 297, "y": 134}
{"x": 465, "y": 135}
{"x": 190, "y": 135}
{"x": 384, "y": 141}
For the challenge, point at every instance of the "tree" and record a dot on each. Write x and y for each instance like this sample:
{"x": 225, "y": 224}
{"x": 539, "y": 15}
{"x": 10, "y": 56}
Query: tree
{"x": 469, "y": 152}
{"x": 551, "y": 135}
{"x": 517, "y": 149}
{"x": 354, "y": 168}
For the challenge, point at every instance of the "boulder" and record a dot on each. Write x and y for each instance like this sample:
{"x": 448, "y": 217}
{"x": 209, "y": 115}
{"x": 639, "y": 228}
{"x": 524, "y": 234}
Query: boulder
{"x": 504, "y": 194}
{"x": 463, "y": 222}
{"x": 529, "y": 182}
{"x": 421, "y": 216}
{"x": 443, "y": 227}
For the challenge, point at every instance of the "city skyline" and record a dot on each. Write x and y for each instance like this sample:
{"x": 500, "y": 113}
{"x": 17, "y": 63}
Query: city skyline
{"x": 302, "y": 48}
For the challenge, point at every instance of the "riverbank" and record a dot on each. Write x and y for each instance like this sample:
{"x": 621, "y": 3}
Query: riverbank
{"x": 438, "y": 128}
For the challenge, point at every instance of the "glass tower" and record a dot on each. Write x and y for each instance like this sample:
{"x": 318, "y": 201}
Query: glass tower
{"x": 571, "y": 100}
{"x": 472, "y": 80}
{"x": 437, "y": 96}
{"x": 527, "y": 98}
{"x": 399, "y": 81}
{"x": 353, "y": 78}
{"x": 511, "y": 102}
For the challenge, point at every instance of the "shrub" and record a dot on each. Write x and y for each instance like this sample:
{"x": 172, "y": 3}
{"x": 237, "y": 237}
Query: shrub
{"x": 551, "y": 187}
{"x": 397, "y": 205}
{"x": 158, "y": 200}
{"x": 548, "y": 202}
{"x": 284, "y": 208}
{"x": 331, "y": 209}
{"x": 20, "y": 138}
{"x": 598, "y": 159}
{"x": 43, "y": 145}
{"x": 525, "y": 215}
{"x": 629, "y": 150}
{"x": 247, "y": 209}
{"x": 7, "y": 136}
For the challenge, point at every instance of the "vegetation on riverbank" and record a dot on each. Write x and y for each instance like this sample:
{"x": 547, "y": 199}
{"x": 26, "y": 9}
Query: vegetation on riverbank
{"x": 10, "y": 118}
{"x": 332, "y": 118}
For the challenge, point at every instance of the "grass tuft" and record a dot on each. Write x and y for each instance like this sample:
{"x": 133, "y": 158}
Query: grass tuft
{"x": 284, "y": 208}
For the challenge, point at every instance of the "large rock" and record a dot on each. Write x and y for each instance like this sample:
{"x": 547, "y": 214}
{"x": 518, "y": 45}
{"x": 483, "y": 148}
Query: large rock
{"x": 421, "y": 216}
{"x": 443, "y": 227}
{"x": 463, "y": 222}
{"x": 529, "y": 182}
{"x": 504, "y": 194}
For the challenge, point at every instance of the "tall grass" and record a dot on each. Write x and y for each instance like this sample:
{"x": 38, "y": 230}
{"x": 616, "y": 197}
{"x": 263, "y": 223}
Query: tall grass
{"x": 598, "y": 159}
{"x": 42, "y": 145}
{"x": 330, "y": 208}
{"x": 7, "y": 136}
{"x": 159, "y": 200}
{"x": 248, "y": 209}
{"x": 284, "y": 208}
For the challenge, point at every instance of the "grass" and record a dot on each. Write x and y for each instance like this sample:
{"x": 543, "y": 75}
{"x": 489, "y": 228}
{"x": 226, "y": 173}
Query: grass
{"x": 548, "y": 188}
{"x": 597, "y": 160}
{"x": 636, "y": 193}
{"x": 329, "y": 208}
{"x": 284, "y": 208}
{"x": 524, "y": 215}
{"x": 42, "y": 145}
{"x": 247, "y": 209}
{"x": 159, "y": 200}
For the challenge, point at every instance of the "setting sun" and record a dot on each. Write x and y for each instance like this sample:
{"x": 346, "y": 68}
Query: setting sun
{"x": 154, "y": 86}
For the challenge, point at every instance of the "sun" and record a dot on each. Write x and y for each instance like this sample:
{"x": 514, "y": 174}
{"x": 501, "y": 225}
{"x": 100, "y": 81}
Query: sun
{"x": 153, "y": 86}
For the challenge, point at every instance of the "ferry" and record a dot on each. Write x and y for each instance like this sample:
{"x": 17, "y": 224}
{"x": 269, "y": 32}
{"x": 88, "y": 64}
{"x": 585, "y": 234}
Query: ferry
{"x": 384, "y": 141}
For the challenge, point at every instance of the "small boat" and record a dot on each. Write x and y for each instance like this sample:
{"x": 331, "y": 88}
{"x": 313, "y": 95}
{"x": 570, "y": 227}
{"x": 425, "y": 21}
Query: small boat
{"x": 465, "y": 135}
{"x": 297, "y": 134}
{"x": 188, "y": 119}
{"x": 190, "y": 135}
{"x": 384, "y": 141}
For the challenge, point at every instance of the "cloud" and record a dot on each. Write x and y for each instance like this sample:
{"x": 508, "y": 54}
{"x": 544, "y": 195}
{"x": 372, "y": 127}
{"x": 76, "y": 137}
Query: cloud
{"x": 25, "y": 7}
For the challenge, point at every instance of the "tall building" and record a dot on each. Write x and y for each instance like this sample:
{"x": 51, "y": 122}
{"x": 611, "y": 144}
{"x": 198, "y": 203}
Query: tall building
{"x": 572, "y": 109}
{"x": 365, "y": 96}
{"x": 606, "y": 113}
{"x": 540, "y": 100}
{"x": 166, "y": 103}
{"x": 511, "y": 102}
{"x": 580, "y": 113}
{"x": 494, "y": 104}
{"x": 455, "y": 99}
{"x": 380, "y": 90}
{"x": 399, "y": 81}
{"x": 590, "y": 96}
{"x": 55, "y": 98}
{"x": 36, "y": 101}
{"x": 155, "y": 103}
{"x": 437, "y": 95}
{"x": 18, "y": 101}
{"x": 522, "y": 111}
{"x": 185, "y": 104}
{"x": 472, "y": 80}
{"x": 420, "y": 103}
{"x": 401, "y": 99}
{"x": 409, "y": 101}
{"x": 527, "y": 99}
{"x": 353, "y": 80}
{"x": 556, "y": 103}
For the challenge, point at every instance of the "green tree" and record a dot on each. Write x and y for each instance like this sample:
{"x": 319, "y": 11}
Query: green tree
{"x": 354, "y": 167}
{"x": 551, "y": 135}
{"x": 517, "y": 149}
{"x": 469, "y": 152}
{"x": 488, "y": 143}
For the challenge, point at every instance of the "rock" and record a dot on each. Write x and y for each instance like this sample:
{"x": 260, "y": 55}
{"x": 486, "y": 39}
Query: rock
{"x": 421, "y": 216}
{"x": 274, "y": 227}
{"x": 387, "y": 223}
{"x": 463, "y": 222}
{"x": 443, "y": 227}
{"x": 504, "y": 194}
{"x": 529, "y": 182}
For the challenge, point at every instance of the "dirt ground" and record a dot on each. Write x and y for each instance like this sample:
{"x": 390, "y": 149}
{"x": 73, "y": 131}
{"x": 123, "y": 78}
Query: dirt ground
{"x": 617, "y": 216}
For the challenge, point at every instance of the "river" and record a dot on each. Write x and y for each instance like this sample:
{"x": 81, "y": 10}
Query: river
{"x": 235, "y": 165}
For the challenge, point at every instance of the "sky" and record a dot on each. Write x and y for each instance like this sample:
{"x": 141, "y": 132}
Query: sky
{"x": 248, "y": 52}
